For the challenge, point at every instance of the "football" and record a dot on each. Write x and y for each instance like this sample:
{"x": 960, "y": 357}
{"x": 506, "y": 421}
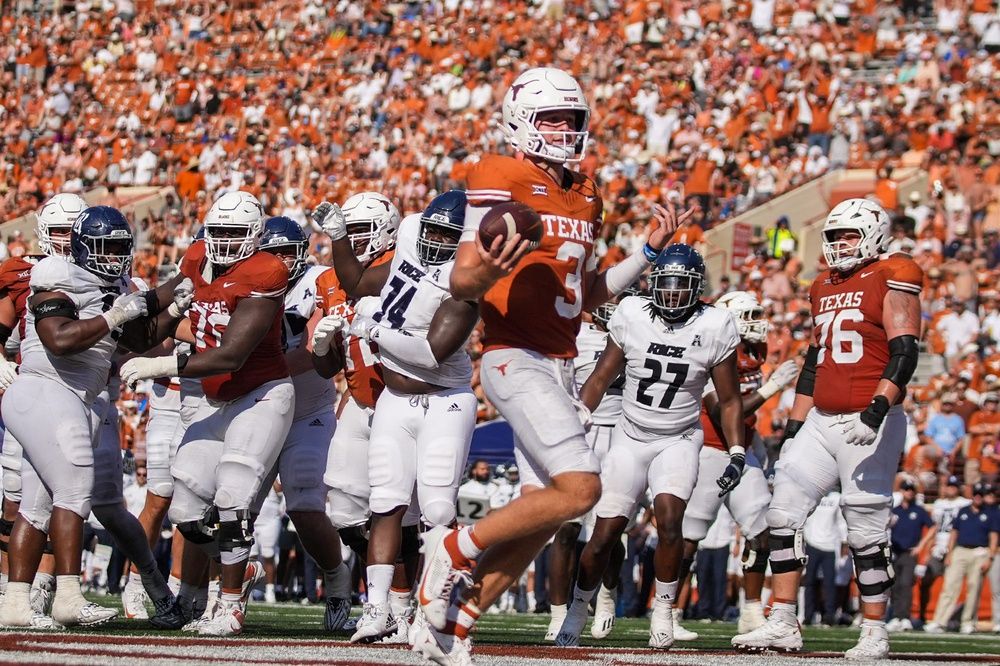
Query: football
{"x": 506, "y": 219}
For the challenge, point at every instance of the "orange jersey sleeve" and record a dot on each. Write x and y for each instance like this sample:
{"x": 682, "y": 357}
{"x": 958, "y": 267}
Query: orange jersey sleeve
{"x": 14, "y": 276}
{"x": 538, "y": 305}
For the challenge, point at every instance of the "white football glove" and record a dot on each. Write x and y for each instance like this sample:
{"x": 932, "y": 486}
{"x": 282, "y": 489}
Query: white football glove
{"x": 363, "y": 327}
{"x": 331, "y": 219}
{"x": 183, "y": 295}
{"x": 782, "y": 376}
{"x": 136, "y": 369}
{"x": 126, "y": 308}
{"x": 8, "y": 373}
{"x": 586, "y": 420}
{"x": 858, "y": 433}
{"x": 325, "y": 330}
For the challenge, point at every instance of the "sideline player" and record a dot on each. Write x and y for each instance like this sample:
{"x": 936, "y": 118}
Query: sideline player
{"x": 227, "y": 454}
{"x": 669, "y": 346}
{"x": 847, "y": 420}
{"x": 530, "y": 305}
{"x": 748, "y": 501}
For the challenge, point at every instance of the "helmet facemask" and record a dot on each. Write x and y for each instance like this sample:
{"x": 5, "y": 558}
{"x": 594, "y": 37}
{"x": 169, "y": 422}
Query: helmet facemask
{"x": 438, "y": 240}
{"x": 110, "y": 256}
{"x": 227, "y": 244}
{"x": 676, "y": 290}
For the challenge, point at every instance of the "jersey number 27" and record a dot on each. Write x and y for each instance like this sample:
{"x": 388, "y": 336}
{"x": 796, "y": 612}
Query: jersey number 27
{"x": 678, "y": 370}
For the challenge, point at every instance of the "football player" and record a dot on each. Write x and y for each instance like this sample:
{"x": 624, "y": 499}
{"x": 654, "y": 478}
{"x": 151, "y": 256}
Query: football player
{"x": 562, "y": 553}
{"x": 748, "y": 501}
{"x": 54, "y": 224}
{"x": 372, "y": 222}
{"x": 423, "y": 422}
{"x": 531, "y": 305}
{"x": 74, "y": 315}
{"x": 669, "y": 347}
{"x": 224, "y": 461}
{"x": 303, "y": 458}
{"x": 847, "y": 423}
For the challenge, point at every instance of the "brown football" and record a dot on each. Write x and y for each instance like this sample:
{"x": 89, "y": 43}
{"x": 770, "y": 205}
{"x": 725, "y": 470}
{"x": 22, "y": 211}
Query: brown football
{"x": 509, "y": 218}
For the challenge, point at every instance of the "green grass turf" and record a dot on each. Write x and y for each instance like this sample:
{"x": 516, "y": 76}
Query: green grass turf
{"x": 306, "y": 622}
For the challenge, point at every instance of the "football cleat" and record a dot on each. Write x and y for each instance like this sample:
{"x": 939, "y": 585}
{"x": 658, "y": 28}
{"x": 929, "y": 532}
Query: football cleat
{"x": 402, "y": 634}
{"x": 228, "y": 620}
{"x": 558, "y": 616}
{"x": 251, "y": 577}
{"x": 167, "y": 614}
{"x": 439, "y": 578}
{"x": 70, "y": 613}
{"x": 375, "y": 624}
{"x": 680, "y": 633}
{"x": 873, "y": 644}
{"x": 337, "y": 613}
{"x": 775, "y": 634}
{"x": 661, "y": 626}
{"x": 573, "y": 623}
{"x": 604, "y": 614}
{"x": 42, "y": 596}
{"x": 441, "y": 648}
{"x": 134, "y": 600}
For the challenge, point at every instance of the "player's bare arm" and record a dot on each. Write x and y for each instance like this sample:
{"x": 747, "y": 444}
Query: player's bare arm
{"x": 160, "y": 323}
{"x": 725, "y": 377}
{"x": 61, "y": 331}
{"x": 450, "y": 328}
{"x": 299, "y": 360}
{"x": 478, "y": 268}
{"x": 608, "y": 367}
{"x": 607, "y": 284}
{"x": 356, "y": 279}
{"x": 248, "y": 326}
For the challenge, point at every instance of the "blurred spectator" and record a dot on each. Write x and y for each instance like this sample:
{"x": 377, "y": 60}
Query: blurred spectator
{"x": 984, "y": 427}
{"x": 825, "y": 531}
{"x": 944, "y": 512}
{"x": 711, "y": 565}
{"x": 909, "y": 535}
{"x": 946, "y": 428}
{"x": 780, "y": 239}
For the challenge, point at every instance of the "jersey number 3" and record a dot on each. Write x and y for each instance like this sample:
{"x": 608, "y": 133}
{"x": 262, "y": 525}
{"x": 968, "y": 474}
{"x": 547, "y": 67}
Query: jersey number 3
{"x": 847, "y": 346}
{"x": 678, "y": 370}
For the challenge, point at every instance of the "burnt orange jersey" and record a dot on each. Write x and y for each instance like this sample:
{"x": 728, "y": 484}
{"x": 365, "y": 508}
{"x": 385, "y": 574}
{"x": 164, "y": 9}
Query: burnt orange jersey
{"x": 259, "y": 275}
{"x": 749, "y": 363}
{"x": 538, "y": 305}
{"x": 362, "y": 370}
{"x": 14, "y": 276}
{"x": 847, "y": 315}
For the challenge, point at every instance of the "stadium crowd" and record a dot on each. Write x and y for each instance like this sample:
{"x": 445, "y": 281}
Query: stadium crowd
{"x": 722, "y": 104}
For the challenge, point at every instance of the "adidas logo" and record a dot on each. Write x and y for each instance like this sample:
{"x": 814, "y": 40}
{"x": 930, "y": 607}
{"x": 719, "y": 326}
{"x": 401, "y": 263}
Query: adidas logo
{"x": 316, "y": 422}
{"x": 454, "y": 407}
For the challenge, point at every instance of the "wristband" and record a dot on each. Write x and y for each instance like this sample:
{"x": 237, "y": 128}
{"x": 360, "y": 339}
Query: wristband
{"x": 737, "y": 451}
{"x": 152, "y": 302}
{"x": 650, "y": 252}
{"x": 182, "y": 361}
{"x": 875, "y": 413}
{"x": 769, "y": 389}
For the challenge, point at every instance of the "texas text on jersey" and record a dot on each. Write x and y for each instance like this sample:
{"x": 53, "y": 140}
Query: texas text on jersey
{"x": 854, "y": 350}
{"x": 538, "y": 305}
{"x": 259, "y": 275}
{"x": 362, "y": 369}
{"x": 749, "y": 361}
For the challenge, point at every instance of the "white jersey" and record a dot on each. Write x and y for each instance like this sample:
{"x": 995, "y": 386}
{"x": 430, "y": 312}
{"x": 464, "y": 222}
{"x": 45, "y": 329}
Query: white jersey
{"x": 410, "y": 299}
{"x": 944, "y": 511}
{"x": 474, "y": 500}
{"x": 86, "y": 372}
{"x": 667, "y": 365}
{"x": 313, "y": 393}
{"x": 590, "y": 344}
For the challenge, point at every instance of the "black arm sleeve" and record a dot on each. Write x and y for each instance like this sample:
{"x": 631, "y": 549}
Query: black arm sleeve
{"x": 903, "y": 354}
{"x": 807, "y": 378}
{"x": 55, "y": 307}
{"x": 5, "y": 333}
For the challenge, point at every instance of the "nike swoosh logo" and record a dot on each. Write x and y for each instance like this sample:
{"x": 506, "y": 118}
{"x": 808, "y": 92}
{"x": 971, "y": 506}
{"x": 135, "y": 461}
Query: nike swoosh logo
{"x": 864, "y": 275}
{"x": 227, "y": 285}
{"x": 589, "y": 199}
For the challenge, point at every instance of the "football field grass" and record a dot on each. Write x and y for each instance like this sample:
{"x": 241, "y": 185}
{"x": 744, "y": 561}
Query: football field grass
{"x": 293, "y": 634}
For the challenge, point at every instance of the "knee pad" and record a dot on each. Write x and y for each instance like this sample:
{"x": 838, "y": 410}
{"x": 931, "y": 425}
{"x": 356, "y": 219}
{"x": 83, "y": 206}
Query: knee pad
{"x": 755, "y": 555}
{"x": 410, "y": 545}
{"x": 694, "y": 529}
{"x": 789, "y": 507}
{"x": 201, "y": 531}
{"x": 439, "y": 512}
{"x": 237, "y": 484}
{"x": 235, "y": 535}
{"x": 356, "y": 538}
{"x": 346, "y": 510}
{"x": 788, "y": 552}
{"x": 874, "y": 571}
{"x": 159, "y": 481}
{"x": 12, "y": 485}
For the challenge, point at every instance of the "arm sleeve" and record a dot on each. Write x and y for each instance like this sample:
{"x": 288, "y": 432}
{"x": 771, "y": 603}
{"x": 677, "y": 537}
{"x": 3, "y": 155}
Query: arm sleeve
{"x": 415, "y": 350}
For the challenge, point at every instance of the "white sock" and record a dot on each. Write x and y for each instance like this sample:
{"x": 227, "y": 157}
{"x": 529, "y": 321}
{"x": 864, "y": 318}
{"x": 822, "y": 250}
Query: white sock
{"x": 666, "y": 593}
{"x": 379, "y": 581}
{"x": 784, "y": 612}
{"x": 17, "y": 593}
{"x": 467, "y": 545}
{"x": 867, "y": 622}
{"x": 3, "y": 583}
{"x": 399, "y": 601}
{"x": 69, "y": 587}
{"x": 558, "y": 609}
{"x": 269, "y": 587}
{"x": 174, "y": 583}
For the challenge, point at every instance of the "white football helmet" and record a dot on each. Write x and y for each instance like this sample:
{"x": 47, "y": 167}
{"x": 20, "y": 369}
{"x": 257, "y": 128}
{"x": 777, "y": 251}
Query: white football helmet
{"x": 536, "y": 91}
{"x": 750, "y": 319}
{"x": 59, "y": 212}
{"x": 233, "y": 228}
{"x": 867, "y": 218}
{"x": 372, "y": 222}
